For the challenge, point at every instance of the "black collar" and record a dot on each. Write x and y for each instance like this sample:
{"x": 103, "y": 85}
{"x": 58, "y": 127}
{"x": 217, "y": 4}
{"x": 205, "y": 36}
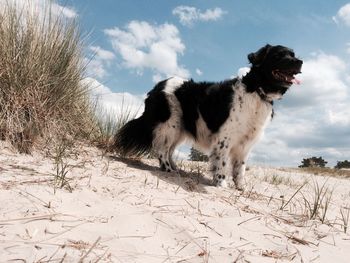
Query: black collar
{"x": 263, "y": 95}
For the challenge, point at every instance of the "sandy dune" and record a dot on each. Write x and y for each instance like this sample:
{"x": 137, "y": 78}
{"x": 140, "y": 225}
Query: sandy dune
{"x": 128, "y": 211}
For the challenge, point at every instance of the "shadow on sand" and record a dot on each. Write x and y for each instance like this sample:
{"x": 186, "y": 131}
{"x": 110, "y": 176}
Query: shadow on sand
{"x": 189, "y": 181}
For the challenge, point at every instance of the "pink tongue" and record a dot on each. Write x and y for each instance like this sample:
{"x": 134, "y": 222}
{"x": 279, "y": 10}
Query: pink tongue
{"x": 296, "y": 81}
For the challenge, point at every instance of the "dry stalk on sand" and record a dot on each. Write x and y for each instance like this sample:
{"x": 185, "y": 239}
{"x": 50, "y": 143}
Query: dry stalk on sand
{"x": 345, "y": 216}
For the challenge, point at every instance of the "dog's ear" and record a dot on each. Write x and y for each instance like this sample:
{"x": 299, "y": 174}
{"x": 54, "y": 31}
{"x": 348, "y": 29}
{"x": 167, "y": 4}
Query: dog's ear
{"x": 258, "y": 57}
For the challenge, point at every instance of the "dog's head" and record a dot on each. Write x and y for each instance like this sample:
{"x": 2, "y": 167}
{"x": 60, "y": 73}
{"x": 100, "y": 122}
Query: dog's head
{"x": 277, "y": 67}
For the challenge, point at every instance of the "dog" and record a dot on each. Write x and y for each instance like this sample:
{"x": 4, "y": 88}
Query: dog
{"x": 225, "y": 118}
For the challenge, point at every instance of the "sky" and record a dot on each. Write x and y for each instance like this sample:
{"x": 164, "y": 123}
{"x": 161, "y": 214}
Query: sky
{"x": 130, "y": 45}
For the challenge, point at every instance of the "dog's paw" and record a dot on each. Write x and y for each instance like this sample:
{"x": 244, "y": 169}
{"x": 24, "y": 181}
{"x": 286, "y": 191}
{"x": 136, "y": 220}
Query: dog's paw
{"x": 222, "y": 183}
{"x": 219, "y": 181}
{"x": 166, "y": 168}
{"x": 239, "y": 186}
{"x": 239, "y": 183}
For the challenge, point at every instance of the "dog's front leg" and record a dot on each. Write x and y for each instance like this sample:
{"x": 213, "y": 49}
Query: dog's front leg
{"x": 238, "y": 171}
{"x": 219, "y": 164}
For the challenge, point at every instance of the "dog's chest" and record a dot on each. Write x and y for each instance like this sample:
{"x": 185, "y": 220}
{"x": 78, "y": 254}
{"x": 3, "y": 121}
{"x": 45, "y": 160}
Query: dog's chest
{"x": 248, "y": 117}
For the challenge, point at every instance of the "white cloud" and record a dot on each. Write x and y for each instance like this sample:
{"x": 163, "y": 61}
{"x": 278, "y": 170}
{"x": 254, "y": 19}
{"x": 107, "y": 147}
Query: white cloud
{"x": 96, "y": 67}
{"x": 339, "y": 114}
{"x": 273, "y": 152}
{"x": 39, "y": 7}
{"x": 101, "y": 53}
{"x": 114, "y": 102}
{"x": 188, "y": 14}
{"x": 144, "y": 46}
{"x": 199, "y": 72}
{"x": 323, "y": 80}
{"x": 343, "y": 15}
{"x": 66, "y": 11}
{"x": 242, "y": 71}
{"x": 181, "y": 153}
{"x": 156, "y": 78}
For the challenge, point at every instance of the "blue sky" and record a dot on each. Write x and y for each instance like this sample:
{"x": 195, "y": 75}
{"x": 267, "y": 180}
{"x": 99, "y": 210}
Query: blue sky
{"x": 133, "y": 43}
{"x": 217, "y": 48}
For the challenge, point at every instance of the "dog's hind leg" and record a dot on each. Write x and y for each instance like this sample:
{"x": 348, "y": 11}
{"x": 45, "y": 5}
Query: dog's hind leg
{"x": 164, "y": 162}
{"x": 238, "y": 161}
{"x": 168, "y": 135}
{"x": 166, "y": 139}
{"x": 164, "y": 153}
{"x": 238, "y": 171}
{"x": 170, "y": 156}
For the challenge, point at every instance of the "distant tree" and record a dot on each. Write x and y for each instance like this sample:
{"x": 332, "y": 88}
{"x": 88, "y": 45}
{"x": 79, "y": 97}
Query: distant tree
{"x": 313, "y": 162}
{"x": 196, "y": 155}
{"x": 342, "y": 164}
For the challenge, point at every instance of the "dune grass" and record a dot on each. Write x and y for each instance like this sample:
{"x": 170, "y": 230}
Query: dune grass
{"x": 41, "y": 69}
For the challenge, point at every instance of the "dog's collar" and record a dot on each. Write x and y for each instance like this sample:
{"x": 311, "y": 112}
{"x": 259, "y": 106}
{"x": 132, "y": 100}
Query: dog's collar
{"x": 263, "y": 95}
{"x": 257, "y": 89}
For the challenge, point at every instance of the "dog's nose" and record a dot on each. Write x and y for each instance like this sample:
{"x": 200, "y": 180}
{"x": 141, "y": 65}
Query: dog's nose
{"x": 299, "y": 62}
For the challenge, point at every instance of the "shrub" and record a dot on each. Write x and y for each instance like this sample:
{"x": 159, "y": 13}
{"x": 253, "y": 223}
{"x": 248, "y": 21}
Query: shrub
{"x": 313, "y": 162}
{"x": 41, "y": 68}
{"x": 196, "y": 155}
{"x": 342, "y": 164}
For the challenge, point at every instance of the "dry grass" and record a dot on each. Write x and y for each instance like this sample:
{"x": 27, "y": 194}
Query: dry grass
{"x": 317, "y": 201}
{"x": 61, "y": 152}
{"x": 306, "y": 198}
{"x": 345, "y": 217}
{"x": 320, "y": 171}
{"x": 276, "y": 179}
{"x": 41, "y": 69}
{"x": 107, "y": 125}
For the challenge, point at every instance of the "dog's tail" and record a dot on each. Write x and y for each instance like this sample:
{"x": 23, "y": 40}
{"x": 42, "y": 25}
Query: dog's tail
{"x": 134, "y": 138}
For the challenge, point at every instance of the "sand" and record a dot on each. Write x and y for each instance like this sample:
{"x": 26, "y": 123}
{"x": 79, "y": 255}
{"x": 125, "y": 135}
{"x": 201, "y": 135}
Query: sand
{"x": 115, "y": 210}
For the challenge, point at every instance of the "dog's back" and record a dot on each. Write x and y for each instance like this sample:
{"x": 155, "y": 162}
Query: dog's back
{"x": 208, "y": 100}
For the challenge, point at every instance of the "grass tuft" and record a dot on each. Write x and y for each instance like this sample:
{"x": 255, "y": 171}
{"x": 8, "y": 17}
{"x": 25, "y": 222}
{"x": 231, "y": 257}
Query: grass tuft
{"x": 317, "y": 201}
{"x": 41, "y": 69}
{"x": 63, "y": 150}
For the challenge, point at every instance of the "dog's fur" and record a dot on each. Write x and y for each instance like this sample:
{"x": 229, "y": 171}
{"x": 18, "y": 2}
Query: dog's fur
{"x": 225, "y": 118}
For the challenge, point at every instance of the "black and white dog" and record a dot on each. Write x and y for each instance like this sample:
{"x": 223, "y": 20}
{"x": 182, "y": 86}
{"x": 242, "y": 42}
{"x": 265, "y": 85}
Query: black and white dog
{"x": 225, "y": 118}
